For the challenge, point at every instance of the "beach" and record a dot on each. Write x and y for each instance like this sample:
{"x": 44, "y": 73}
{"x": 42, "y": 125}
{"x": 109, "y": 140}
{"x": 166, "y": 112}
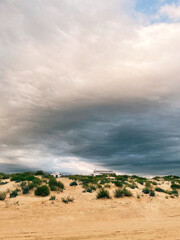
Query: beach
{"x": 32, "y": 217}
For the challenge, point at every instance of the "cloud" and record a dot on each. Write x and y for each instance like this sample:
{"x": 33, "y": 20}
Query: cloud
{"x": 87, "y": 85}
{"x": 172, "y": 11}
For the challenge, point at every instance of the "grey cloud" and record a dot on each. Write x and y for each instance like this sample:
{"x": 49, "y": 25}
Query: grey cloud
{"x": 84, "y": 83}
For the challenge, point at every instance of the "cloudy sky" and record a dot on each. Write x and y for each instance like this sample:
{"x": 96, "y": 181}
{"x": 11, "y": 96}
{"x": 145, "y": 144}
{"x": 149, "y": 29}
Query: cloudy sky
{"x": 88, "y": 84}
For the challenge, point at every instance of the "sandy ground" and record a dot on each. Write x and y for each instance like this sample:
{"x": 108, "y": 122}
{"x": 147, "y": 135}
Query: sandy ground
{"x": 30, "y": 217}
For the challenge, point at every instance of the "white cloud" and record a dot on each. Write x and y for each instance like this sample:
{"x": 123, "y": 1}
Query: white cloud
{"x": 172, "y": 11}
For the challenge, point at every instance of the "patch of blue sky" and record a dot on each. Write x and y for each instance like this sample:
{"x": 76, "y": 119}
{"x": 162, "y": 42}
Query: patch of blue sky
{"x": 149, "y": 7}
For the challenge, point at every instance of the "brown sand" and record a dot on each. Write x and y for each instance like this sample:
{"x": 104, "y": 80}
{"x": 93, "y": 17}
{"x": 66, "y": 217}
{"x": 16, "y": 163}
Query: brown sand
{"x": 30, "y": 217}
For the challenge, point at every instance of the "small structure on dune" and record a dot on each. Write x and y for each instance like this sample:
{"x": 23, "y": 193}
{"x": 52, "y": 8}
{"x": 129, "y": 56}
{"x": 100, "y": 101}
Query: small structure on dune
{"x": 102, "y": 172}
{"x": 56, "y": 174}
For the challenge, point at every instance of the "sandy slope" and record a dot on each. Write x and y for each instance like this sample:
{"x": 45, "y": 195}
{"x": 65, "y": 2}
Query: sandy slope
{"x": 30, "y": 217}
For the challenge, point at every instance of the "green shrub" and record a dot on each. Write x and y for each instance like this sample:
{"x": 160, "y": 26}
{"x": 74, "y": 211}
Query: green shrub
{"x": 54, "y": 185}
{"x": 175, "y": 186}
{"x": 3, "y": 183}
{"x": 154, "y": 183}
{"x": 27, "y": 176}
{"x": 89, "y": 190}
{"x": 93, "y": 187}
{"x": 146, "y": 190}
{"x": 39, "y": 172}
{"x": 147, "y": 184}
{"x": 26, "y": 187}
{"x": 118, "y": 183}
{"x": 127, "y": 193}
{"x": 42, "y": 191}
{"x": 67, "y": 199}
{"x": 52, "y": 198}
{"x": 175, "y": 192}
{"x": 152, "y": 193}
{"x": 74, "y": 183}
{"x": 118, "y": 193}
{"x": 138, "y": 196}
{"x": 158, "y": 189}
{"x": 25, "y": 190}
{"x": 103, "y": 194}
{"x": 2, "y": 196}
{"x": 14, "y": 194}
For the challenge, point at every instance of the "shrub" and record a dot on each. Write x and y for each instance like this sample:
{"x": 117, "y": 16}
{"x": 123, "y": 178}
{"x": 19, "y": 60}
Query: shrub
{"x": 107, "y": 186}
{"x": 25, "y": 190}
{"x": 147, "y": 184}
{"x": 42, "y": 191}
{"x": 67, "y": 199}
{"x": 39, "y": 172}
{"x": 89, "y": 190}
{"x": 26, "y": 187}
{"x": 152, "y": 193}
{"x": 138, "y": 196}
{"x": 118, "y": 183}
{"x": 74, "y": 183}
{"x": 127, "y": 193}
{"x": 28, "y": 176}
{"x": 146, "y": 190}
{"x": 118, "y": 193}
{"x": 54, "y": 185}
{"x": 52, "y": 198}
{"x": 103, "y": 194}
{"x": 158, "y": 189}
{"x": 13, "y": 194}
{"x": 3, "y": 183}
{"x": 154, "y": 183}
{"x": 93, "y": 187}
{"x": 175, "y": 192}
{"x": 175, "y": 186}
{"x": 2, "y": 196}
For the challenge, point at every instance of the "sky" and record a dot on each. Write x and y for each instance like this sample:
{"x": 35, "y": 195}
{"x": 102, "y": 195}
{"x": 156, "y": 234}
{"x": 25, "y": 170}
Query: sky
{"x": 90, "y": 85}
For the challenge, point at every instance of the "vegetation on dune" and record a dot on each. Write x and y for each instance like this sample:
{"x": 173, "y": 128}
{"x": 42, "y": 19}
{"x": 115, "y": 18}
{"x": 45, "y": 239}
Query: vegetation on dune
{"x": 55, "y": 185}
{"x": 152, "y": 193}
{"x": 119, "y": 193}
{"x": 14, "y": 194}
{"x": 42, "y": 191}
{"x": 67, "y": 199}
{"x": 2, "y": 196}
{"x": 27, "y": 186}
{"x": 103, "y": 194}
{"x": 158, "y": 189}
{"x": 3, "y": 183}
{"x": 74, "y": 183}
{"x": 52, "y": 198}
{"x": 4, "y": 176}
{"x": 118, "y": 183}
{"x": 146, "y": 190}
{"x": 27, "y": 176}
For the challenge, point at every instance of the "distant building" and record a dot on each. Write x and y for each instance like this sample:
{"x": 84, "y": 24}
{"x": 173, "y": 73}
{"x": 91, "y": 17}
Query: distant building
{"x": 102, "y": 172}
{"x": 56, "y": 174}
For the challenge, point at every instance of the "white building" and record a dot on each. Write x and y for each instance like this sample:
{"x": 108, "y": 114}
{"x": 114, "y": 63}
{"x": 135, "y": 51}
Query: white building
{"x": 56, "y": 174}
{"x": 102, "y": 172}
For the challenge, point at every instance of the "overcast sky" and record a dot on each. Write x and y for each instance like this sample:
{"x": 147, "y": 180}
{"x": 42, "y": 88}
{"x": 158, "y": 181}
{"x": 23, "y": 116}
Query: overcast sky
{"x": 88, "y": 84}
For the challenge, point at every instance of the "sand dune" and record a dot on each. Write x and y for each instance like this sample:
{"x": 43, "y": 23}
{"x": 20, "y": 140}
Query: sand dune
{"x": 30, "y": 217}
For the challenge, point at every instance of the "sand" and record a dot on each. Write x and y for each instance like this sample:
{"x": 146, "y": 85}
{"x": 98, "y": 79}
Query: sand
{"x": 30, "y": 217}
